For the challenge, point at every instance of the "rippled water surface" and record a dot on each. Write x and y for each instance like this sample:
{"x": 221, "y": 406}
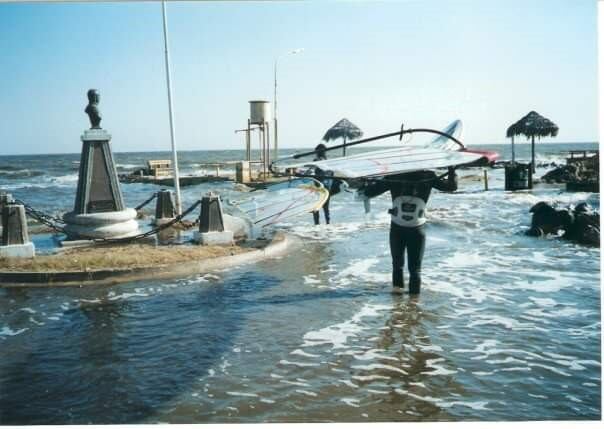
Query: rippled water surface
{"x": 507, "y": 327}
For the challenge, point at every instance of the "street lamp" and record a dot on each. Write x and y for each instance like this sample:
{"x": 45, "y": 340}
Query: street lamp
{"x": 295, "y": 51}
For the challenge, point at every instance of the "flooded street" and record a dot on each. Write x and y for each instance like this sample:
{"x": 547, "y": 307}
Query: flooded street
{"x": 507, "y": 327}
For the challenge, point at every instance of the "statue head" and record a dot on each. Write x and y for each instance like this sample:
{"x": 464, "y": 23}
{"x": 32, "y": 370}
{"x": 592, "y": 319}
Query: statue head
{"x": 94, "y": 96}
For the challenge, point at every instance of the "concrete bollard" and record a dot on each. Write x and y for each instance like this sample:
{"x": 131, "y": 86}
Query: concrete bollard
{"x": 15, "y": 238}
{"x": 211, "y": 223}
{"x": 4, "y": 200}
{"x": 164, "y": 207}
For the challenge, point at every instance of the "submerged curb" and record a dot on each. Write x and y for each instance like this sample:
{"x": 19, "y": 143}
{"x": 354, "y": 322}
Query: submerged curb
{"x": 277, "y": 246}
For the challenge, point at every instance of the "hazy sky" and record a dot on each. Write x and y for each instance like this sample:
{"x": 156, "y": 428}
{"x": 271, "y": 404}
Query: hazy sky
{"x": 421, "y": 62}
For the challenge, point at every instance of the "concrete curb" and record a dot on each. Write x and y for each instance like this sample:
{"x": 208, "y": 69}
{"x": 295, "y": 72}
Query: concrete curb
{"x": 276, "y": 247}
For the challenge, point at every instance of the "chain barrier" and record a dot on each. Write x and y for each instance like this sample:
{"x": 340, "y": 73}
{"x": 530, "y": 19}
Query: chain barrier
{"x": 145, "y": 234}
{"x": 43, "y": 218}
{"x": 140, "y": 206}
{"x": 52, "y": 222}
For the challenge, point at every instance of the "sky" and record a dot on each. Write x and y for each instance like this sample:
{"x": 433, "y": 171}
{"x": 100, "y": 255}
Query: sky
{"x": 423, "y": 63}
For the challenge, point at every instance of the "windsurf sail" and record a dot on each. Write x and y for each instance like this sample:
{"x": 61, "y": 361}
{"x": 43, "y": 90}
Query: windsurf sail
{"x": 282, "y": 200}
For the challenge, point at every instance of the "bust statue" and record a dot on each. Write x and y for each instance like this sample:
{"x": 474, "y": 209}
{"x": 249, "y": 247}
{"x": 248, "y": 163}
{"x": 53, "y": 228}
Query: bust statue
{"x": 94, "y": 97}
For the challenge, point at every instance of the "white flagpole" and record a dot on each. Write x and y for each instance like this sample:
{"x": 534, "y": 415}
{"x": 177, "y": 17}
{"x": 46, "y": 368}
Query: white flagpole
{"x": 170, "y": 108}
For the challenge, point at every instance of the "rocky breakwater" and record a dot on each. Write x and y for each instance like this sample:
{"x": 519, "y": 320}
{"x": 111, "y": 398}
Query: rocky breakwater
{"x": 579, "y": 174}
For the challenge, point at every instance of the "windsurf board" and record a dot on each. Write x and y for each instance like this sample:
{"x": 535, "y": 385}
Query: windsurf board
{"x": 438, "y": 153}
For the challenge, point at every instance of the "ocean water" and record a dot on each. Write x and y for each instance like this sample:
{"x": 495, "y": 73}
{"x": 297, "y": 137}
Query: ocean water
{"x": 507, "y": 326}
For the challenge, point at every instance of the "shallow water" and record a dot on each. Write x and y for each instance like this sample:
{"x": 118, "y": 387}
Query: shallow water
{"x": 507, "y": 327}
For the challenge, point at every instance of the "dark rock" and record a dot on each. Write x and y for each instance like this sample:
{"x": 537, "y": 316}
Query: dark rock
{"x": 580, "y": 224}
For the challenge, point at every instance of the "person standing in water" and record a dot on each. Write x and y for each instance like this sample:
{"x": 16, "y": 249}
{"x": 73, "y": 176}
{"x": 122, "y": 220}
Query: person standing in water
{"x": 332, "y": 185}
{"x": 410, "y": 193}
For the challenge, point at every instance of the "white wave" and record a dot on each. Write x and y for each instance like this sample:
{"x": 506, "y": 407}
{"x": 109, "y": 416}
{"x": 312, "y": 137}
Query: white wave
{"x": 375, "y": 366}
{"x": 437, "y": 369}
{"x": 311, "y": 280}
{"x": 126, "y": 295}
{"x": 300, "y": 364}
{"x": 370, "y": 377}
{"x": 463, "y": 259}
{"x": 8, "y": 332}
{"x": 421, "y": 398}
{"x": 373, "y": 354}
{"x": 306, "y": 392}
{"x": 543, "y": 302}
{"x": 35, "y": 322}
{"x": 430, "y": 348}
{"x": 359, "y": 270}
{"x": 353, "y": 402}
{"x": 476, "y": 405}
{"x": 506, "y": 322}
{"x": 248, "y": 395}
{"x": 550, "y": 368}
{"x": 349, "y": 383}
{"x": 295, "y": 383}
{"x": 337, "y": 335}
{"x": 303, "y": 353}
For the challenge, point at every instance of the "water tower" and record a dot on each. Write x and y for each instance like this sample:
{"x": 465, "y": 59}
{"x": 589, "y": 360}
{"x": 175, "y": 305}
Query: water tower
{"x": 260, "y": 115}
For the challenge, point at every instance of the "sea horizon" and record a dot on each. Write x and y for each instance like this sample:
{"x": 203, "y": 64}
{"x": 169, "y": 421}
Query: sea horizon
{"x": 289, "y": 148}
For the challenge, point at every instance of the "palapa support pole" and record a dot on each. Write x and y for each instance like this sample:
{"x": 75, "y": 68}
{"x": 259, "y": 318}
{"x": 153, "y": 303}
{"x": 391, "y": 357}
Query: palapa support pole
{"x": 15, "y": 238}
{"x": 486, "y": 179}
{"x": 533, "y": 153}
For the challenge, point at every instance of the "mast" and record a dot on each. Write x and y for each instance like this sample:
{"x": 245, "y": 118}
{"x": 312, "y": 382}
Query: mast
{"x": 170, "y": 110}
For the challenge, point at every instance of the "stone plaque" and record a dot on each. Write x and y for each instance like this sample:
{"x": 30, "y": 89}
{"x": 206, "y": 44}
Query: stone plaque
{"x": 100, "y": 198}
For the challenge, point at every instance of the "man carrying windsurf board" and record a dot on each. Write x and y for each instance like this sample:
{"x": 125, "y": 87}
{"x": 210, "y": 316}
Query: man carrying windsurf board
{"x": 410, "y": 193}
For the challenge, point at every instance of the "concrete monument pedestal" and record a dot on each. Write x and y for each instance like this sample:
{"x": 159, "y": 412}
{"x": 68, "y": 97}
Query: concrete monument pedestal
{"x": 99, "y": 210}
{"x": 27, "y": 250}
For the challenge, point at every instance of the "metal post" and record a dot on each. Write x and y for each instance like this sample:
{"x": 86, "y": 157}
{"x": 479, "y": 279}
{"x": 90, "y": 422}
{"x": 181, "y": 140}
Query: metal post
{"x": 248, "y": 143}
{"x": 265, "y": 149}
{"x": 533, "y": 153}
{"x": 268, "y": 145}
{"x": 276, "y": 154}
{"x": 170, "y": 110}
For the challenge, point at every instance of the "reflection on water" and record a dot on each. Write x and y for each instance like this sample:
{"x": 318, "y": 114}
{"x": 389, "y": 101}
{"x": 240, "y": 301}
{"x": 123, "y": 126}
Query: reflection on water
{"x": 507, "y": 328}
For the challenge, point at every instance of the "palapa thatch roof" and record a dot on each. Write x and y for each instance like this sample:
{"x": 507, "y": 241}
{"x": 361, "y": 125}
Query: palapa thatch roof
{"x": 533, "y": 125}
{"x": 343, "y": 129}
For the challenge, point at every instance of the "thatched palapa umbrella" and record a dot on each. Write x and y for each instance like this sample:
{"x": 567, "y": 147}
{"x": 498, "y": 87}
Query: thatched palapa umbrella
{"x": 344, "y": 129}
{"x": 531, "y": 125}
